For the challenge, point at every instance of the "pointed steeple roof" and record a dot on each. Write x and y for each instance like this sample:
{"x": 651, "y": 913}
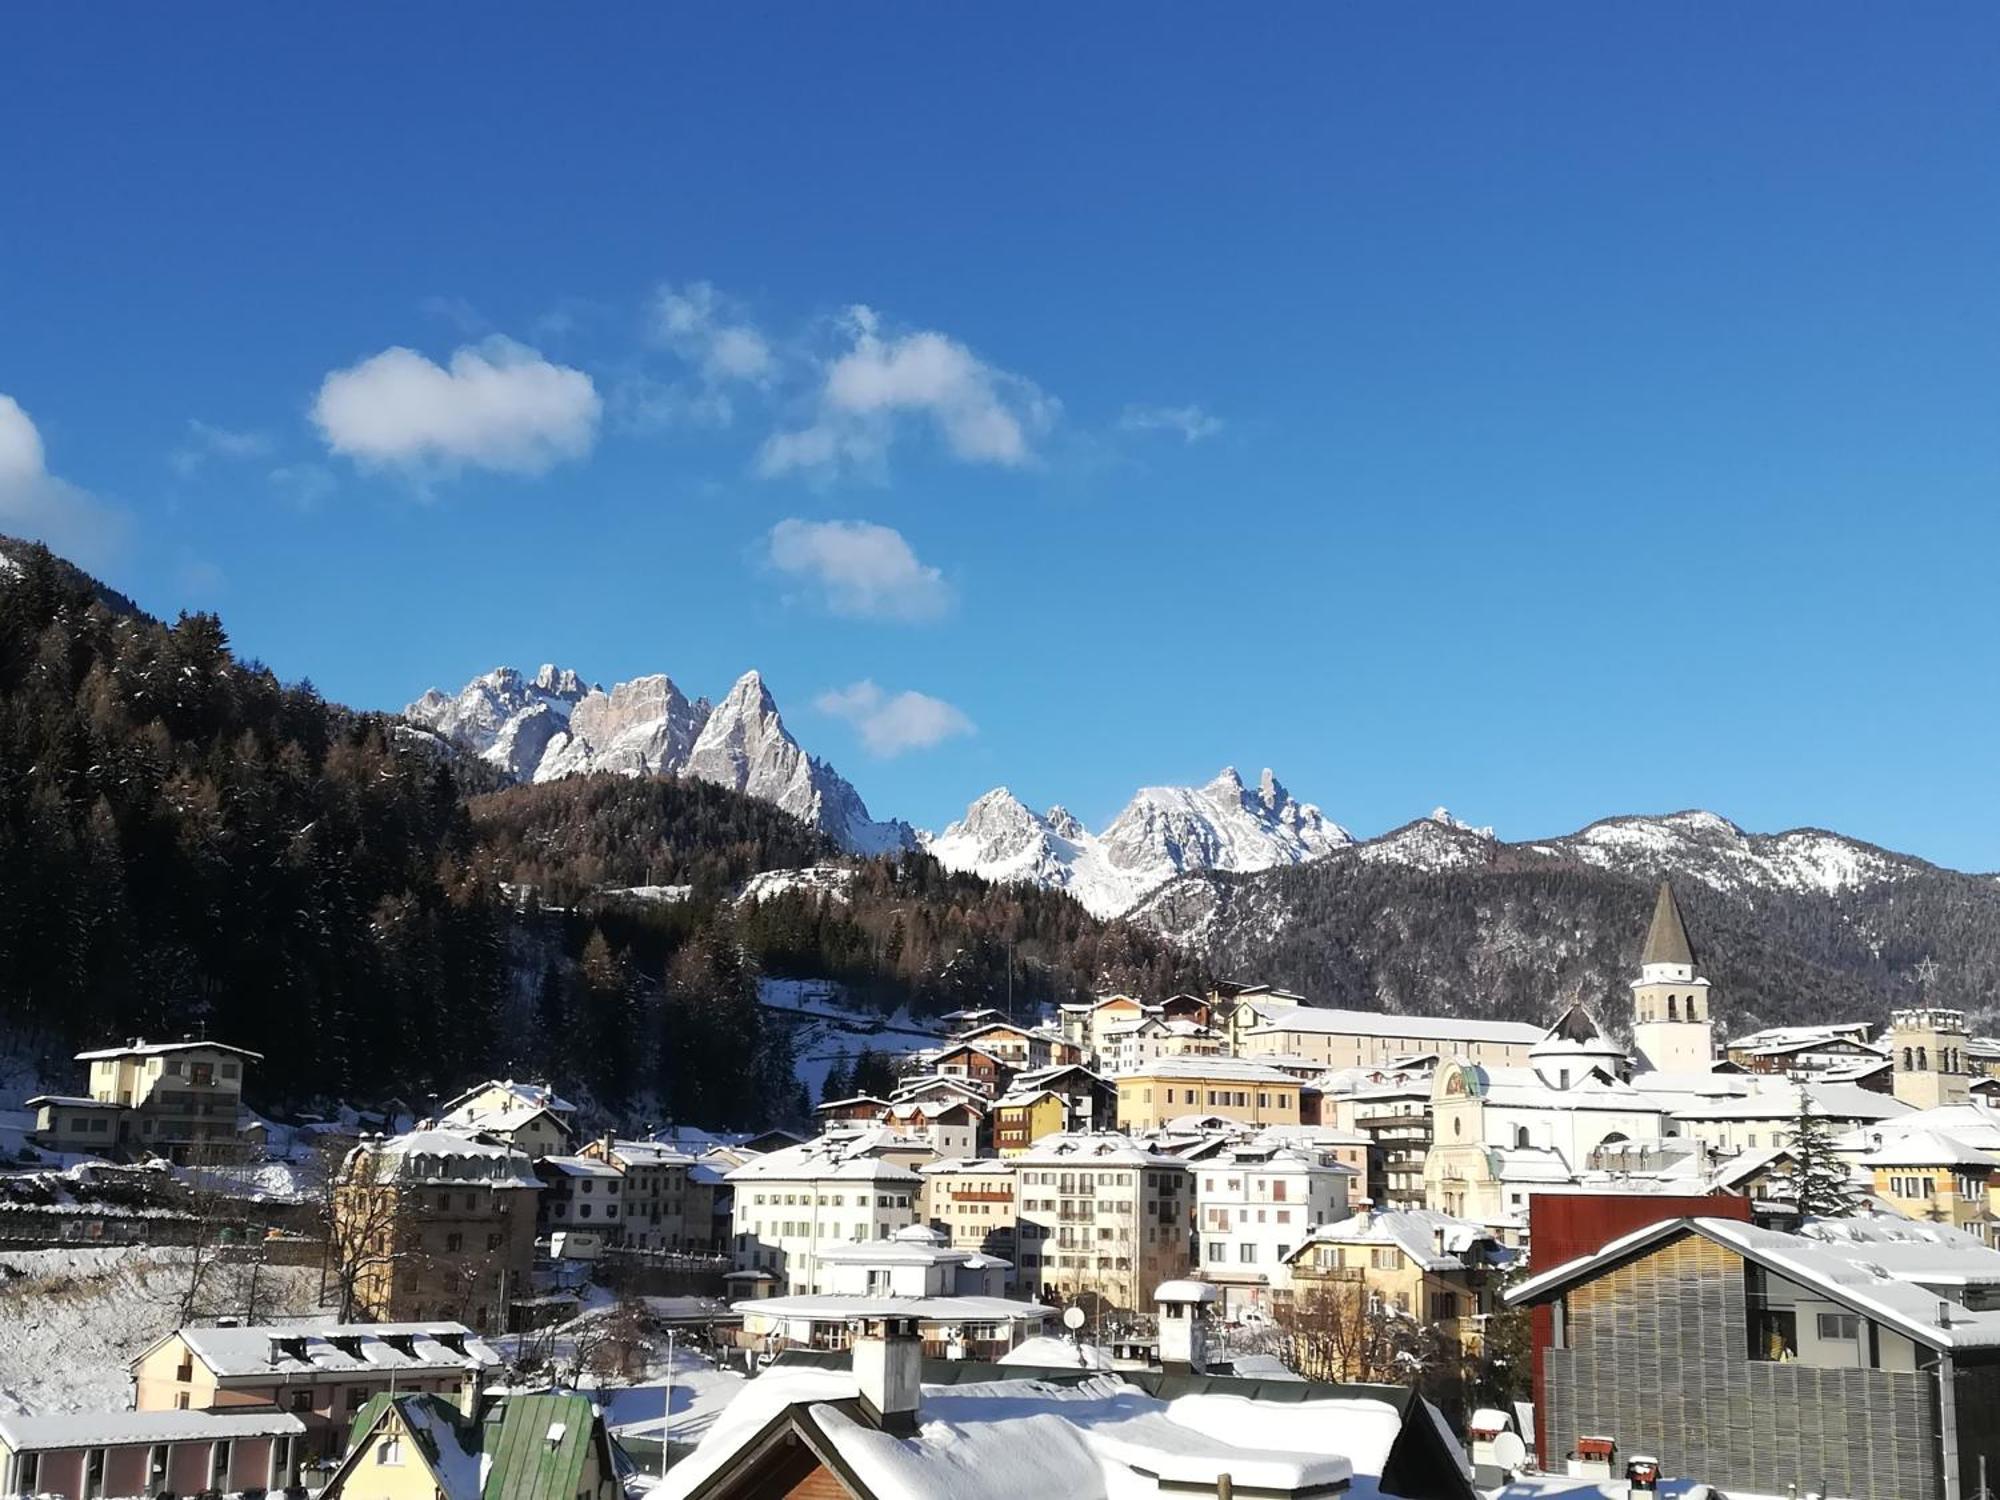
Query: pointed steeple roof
{"x": 1667, "y": 941}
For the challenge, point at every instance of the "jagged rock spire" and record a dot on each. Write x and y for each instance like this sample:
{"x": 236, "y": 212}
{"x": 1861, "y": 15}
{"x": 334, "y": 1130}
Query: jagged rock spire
{"x": 1667, "y": 941}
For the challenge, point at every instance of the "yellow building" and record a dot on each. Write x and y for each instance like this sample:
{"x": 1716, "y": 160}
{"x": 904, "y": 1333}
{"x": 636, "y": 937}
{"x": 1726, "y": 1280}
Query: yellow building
{"x": 531, "y": 1446}
{"x": 1431, "y": 1266}
{"x": 1929, "y": 1175}
{"x": 175, "y": 1097}
{"x": 1234, "y": 1088}
{"x": 1021, "y": 1119}
{"x": 973, "y": 1201}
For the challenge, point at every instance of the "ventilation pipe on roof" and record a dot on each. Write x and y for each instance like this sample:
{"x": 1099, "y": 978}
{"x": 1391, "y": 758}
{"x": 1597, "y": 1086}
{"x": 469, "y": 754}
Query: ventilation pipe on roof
{"x": 1944, "y": 1313}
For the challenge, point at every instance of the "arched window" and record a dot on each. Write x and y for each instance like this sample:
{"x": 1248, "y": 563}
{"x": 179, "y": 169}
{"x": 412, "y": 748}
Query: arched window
{"x": 1521, "y": 1137}
{"x": 1673, "y": 1010}
{"x": 1907, "y": 1064}
{"x": 1922, "y": 1062}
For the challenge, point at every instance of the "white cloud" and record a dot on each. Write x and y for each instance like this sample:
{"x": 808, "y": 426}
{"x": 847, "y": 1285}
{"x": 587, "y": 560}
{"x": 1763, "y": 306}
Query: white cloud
{"x": 982, "y": 414}
{"x": 36, "y": 505}
{"x": 206, "y": 441}
{"x": 1190, "y": 421}
{"x": 499, "y": 405}
{"x": 710, "y": 332}
{"x": 890, "y": 725}
{"x": 860, "y": 569}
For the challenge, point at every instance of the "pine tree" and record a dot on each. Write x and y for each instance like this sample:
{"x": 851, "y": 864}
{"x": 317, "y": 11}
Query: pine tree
{"x": 1820, "y": 1179}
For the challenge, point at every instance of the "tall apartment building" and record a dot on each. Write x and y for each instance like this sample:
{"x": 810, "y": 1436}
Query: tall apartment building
{"x": 1101, "y": 1214}
{"x": 833, "y": 1190}
{"x": 973, "y": 1202}
{"x": 173, "y": 1099}
{"x": 1254, "y": 1205}
{"x": 433, "y": 1224}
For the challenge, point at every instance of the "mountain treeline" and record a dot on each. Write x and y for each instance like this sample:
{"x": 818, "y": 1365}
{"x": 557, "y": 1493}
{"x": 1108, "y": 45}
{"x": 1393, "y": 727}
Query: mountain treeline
{"x": 189, "y": 846}
{"x": 1524, "y": 937}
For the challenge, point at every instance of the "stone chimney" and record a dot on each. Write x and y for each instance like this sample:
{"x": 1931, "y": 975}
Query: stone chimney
{"x": 472, "y": 1392}
{"x": 888, "y": 1369}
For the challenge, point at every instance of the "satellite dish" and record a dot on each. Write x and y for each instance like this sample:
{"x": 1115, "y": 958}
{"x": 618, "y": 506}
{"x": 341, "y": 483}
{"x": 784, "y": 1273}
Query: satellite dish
{"x": 1073, "y": 1318}
{"x": 1509, "y": 1452}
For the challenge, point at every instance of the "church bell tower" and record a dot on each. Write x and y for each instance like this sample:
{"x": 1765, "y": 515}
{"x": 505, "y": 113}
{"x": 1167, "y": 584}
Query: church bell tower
{"x": 1670, "y": 1023}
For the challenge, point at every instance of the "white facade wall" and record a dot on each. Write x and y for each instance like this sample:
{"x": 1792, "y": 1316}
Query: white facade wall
{"x": 779, "y": 1224}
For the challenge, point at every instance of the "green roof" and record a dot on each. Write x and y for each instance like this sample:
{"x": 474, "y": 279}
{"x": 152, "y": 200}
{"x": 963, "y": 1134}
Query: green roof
{"x": 521, "y": 1461}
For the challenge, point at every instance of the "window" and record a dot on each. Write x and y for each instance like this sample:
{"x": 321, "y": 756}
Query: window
{"x": 302, "y": 1400}
{"x": 1246, "y": 1255}
{"x": 1774, "y": 1333}
{"x": 1842, "y": 1326}
{"x": 454, "y": 1242}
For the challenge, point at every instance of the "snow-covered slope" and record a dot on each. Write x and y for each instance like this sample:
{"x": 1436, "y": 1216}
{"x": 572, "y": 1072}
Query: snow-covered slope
{"x": 1713, "y": 850}
{"x": 550, "y": 726}
{"x": 1163, "y": 832}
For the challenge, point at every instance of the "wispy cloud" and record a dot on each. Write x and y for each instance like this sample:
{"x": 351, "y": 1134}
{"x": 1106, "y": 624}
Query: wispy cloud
{"x": 893, "y": 724}
{"x": 1191, "y": 422}
{"x": 497, "y": 405}
{"x": 37, "y": 505}
{"x": 206, "y": 441}
{"x": 880, "y": 382}
{"x": 859, "y": 569}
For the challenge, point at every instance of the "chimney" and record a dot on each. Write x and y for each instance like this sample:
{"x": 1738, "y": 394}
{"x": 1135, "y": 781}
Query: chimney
{"x": 1183, "y": 1319}
{"x": 472, "y": 1391}
{"x": 888, "y": 1368}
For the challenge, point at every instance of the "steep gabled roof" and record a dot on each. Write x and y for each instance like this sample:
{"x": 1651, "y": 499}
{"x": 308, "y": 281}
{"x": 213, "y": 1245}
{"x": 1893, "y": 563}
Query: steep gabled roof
{"x": 1667, "y": 939}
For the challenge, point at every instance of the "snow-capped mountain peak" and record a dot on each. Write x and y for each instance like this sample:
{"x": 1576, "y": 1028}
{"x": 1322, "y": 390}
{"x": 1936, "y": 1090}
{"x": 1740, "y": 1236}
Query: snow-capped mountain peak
{"x": 1442, "y": 816}
{"x": 551, "y": 726}
{"x": 1163, "y": 832}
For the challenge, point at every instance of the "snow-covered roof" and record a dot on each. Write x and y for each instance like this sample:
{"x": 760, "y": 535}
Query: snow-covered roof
{"x": 1202, "y": 1292}
{"x": 1417, "y": 1232}
{"x": 1524, "y": 1088}
{"x": 1928, "y": 1148}
{"x": 1052, "y": 1350}
{"x": 1780, "y": 1100}
{"x": 446, "y": 1156}
{"x": 1324, "y": 1021}
{"x": 1093, "y": 1148}
{"x": 836, "y": 1307}
{"x": 1094, "y": 1440}
{"x": 71, "y": 1101}
{"x": 531, "y": 1096}
{"x": 110, "y": 1429}
{"x": 912, "y": 1245}
{"x": 283, "y": 1348}
{"x": 161, "y": 1049}
{"x": 846, "y": 1158}
{"x": 579, "y": 1166}
{"x": 1840, "y": 1265}
{"x": 649, "y": 1154}
{"x": 1222, "y": 1069}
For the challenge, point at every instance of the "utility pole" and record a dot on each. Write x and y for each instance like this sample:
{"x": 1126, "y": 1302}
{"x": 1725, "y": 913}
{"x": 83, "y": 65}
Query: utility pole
{"x": 667, "y": 1427}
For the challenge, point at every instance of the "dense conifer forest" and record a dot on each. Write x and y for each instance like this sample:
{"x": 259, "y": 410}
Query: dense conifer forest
{"x": 189, "y": 846}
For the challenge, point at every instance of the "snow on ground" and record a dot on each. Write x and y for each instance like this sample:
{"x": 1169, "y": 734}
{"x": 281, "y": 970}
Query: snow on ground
{"x": 666, "y": 895}
{"x": 71, "y": 1320}
{"x": 700, "y": 1394}
{"x": 827, "y": 1024}
{"x": 831, "y": 880}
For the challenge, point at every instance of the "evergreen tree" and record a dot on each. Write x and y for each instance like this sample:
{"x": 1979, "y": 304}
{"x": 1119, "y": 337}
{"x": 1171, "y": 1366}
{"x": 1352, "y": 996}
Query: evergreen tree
{"x": 1820, "y": 1179}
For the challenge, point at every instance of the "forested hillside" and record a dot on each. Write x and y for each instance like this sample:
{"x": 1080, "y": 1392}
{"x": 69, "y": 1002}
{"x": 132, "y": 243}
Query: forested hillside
{"x": 1523, "y": 932}
{"x": 190, "y": 846}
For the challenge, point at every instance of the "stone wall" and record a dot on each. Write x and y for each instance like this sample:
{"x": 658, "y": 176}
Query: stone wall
{"x": 1658, "y": 1360}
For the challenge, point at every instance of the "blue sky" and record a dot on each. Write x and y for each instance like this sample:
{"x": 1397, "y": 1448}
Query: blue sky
{"x": 1552, "y": 412}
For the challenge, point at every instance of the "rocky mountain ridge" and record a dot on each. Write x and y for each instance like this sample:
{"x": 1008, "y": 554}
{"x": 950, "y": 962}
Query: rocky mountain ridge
{"x": 553, "y": 725}
{"x": 1163, "y": 832}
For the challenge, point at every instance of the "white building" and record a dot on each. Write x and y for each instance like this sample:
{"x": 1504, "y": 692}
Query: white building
{"x": 1101, "y": 1214}
{"x": 1255, "y": 1205}
{"x": 1767, "y": 1114}
{"x": 834, "y": 1190}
